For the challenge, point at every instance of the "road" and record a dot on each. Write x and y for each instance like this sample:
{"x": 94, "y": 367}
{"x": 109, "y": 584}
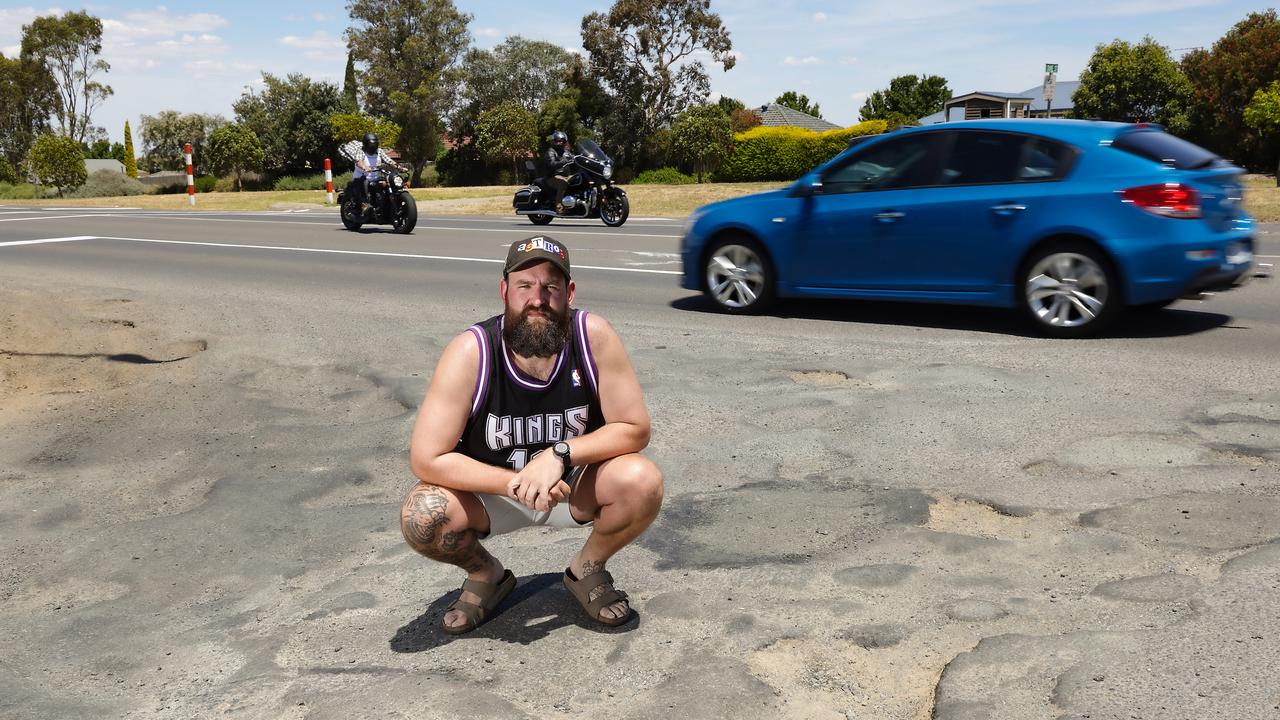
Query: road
{"x": 888, "y": 511}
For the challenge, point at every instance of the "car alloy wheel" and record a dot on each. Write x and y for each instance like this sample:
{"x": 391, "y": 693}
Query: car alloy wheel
{"x": 1069, "y": 292}
{"x": 739, "y": 279}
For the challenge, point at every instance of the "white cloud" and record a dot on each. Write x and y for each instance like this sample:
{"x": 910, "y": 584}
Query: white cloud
{"x": 12, "y": 20}
{"x": 819, "y": 17}
{"x": 208, "y": 68}
{"x": 157, "y": 23}
{"x": 860, "y": 96}
{"x": 319, "y": 45}
{"x": 488, "y": 32}
{"x": 810, "y": 60}
{"x": 11, "y": 51}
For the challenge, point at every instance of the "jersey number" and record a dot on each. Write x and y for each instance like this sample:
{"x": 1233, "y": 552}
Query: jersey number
{"x": 519, "y": 458}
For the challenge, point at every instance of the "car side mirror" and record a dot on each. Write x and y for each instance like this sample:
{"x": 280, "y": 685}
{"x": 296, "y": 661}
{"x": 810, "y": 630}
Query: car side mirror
{"x": 809, "y": 189}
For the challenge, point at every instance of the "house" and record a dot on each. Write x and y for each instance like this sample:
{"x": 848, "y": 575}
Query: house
{"x": 775, "y": 115}
{"x": 93, "y": 165}
{"x": 1026, "y": 104}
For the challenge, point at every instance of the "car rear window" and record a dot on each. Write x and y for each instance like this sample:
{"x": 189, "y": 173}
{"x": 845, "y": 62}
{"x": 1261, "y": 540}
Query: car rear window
{"x": 1165, "y": 149}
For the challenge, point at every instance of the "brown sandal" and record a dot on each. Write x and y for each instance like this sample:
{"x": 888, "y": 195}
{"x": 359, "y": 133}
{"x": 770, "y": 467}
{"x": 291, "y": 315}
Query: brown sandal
{"x": 581, "y": 591}
{"x": 491, "y": 595}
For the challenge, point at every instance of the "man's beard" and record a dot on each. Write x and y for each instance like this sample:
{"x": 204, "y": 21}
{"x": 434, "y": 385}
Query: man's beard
{"x": 535, "y": 337}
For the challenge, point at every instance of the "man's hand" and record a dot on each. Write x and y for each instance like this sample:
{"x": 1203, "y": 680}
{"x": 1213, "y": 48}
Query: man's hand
{"x": 538, "y": 486}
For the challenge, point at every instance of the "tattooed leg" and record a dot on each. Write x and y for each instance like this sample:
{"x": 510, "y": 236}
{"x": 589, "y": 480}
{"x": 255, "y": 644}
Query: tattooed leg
{"x": 436, "y": 524}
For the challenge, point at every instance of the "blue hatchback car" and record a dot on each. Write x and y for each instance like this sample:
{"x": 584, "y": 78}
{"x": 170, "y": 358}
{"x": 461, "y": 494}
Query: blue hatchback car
{"x": 1068, "y": 220}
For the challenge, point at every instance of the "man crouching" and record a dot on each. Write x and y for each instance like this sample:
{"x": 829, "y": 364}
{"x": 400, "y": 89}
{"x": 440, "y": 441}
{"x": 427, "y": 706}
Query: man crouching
{"x": 533, "y": 418}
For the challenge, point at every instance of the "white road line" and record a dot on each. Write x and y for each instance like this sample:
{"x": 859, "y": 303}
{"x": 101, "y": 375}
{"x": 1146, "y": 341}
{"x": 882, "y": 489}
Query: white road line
{"x": 46, "y": 240}
{"x": 53, "y": 217}
{"x": 1267, "y": 256}
{"x": 19, "y": 212}
{"x": 366, "y": 253}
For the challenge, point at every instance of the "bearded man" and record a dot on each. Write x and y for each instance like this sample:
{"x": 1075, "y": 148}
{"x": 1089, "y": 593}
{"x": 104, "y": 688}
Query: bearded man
{"x": 533, "y": 418}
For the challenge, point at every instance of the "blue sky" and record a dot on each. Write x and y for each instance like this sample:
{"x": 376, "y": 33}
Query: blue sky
{"x": 200, "y": 57}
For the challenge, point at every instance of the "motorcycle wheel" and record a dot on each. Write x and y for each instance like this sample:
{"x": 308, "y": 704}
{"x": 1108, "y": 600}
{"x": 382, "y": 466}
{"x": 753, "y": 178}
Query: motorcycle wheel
{"x": 351, "y": 216}
{"x": 614, "y": 209}
{"x": 406, "y": 215}
{"x": 541, "y": 219}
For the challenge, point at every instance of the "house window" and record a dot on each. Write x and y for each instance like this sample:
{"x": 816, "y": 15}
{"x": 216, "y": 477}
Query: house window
{"x": 986, "y": 112}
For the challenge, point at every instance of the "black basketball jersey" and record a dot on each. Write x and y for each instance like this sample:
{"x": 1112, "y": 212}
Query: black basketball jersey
{"x": 513, "y": 415}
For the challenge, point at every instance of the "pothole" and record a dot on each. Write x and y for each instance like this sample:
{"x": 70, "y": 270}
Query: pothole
{"x": 820, "y": 378}
{"x": 968, "y": 517}
{"x": 726, "y": 528}
{"x": 1199, "y": 520}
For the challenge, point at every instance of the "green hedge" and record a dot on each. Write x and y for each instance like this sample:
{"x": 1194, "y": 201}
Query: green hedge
{"x": 663, "y": 176}
{"x": 786, "y": 153}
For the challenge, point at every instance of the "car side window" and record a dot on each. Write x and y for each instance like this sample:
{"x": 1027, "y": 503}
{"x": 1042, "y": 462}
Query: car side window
{"x": 1044, "y": 160}
{"x": 891, "y": 164}
{"x": 983, "y": 158}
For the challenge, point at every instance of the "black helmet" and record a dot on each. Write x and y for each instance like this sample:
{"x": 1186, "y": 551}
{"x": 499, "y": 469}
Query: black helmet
{"x": 370, "y": 143}
{"x": 559, "y": 138}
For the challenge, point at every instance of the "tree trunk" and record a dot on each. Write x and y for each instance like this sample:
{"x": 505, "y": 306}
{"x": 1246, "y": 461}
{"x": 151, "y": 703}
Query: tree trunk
{"x": 417, "y": 173}
{"x": 239, "y": 185}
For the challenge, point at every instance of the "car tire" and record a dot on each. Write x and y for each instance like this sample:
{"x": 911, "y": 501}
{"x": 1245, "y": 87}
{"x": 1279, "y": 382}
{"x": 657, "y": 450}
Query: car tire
{"x": 1069, "y": 289}
{"x": 738, "y": 276}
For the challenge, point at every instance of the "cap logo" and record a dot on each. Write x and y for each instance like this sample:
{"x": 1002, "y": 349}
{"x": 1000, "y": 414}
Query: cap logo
{"x": 540, "y": 243}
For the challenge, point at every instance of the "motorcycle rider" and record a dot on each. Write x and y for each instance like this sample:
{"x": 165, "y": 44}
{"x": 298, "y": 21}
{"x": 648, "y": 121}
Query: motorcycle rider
{"x": 557, "y": 159}
{"x": 367, "y": 156}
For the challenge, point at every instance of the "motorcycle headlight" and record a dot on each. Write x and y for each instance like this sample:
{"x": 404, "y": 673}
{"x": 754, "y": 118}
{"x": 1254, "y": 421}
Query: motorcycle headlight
{"x": 398, "y": 180}
{"x": 608, "y": 171}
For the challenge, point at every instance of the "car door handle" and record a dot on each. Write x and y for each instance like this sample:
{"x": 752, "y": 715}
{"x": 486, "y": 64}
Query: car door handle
{"x": 888, "y": 216}
{"x": 1007, "y": 209}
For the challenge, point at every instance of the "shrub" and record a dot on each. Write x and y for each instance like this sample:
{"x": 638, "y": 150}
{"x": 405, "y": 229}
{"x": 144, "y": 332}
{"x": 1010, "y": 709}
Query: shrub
{"x": 7, "y": 173}
{"x": 302, "y": 182}
{"x": 248, "y": 183}
{"x": 663, "y": 176}
{"x": 58, "y": 161}
{"x": 21, "y": 191}
{"x": 205, "y": 183}
{"x": 786, "y": 153}
{"x": 108, "y": 183}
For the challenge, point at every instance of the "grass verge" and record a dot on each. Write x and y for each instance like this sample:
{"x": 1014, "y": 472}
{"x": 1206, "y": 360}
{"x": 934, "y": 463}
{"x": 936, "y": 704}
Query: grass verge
{"x": 1262, "y": 199}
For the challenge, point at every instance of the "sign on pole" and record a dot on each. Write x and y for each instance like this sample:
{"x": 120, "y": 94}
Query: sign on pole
{"x": 1050, "y": 84}
{"x": 1051, "y": 68}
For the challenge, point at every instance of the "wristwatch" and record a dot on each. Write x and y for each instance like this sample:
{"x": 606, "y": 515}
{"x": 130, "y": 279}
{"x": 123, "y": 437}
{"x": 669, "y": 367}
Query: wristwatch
{"x": 561, "y": 450}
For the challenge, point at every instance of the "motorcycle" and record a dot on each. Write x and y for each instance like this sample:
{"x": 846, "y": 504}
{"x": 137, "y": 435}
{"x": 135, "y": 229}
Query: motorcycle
{"x": 591, "y": 192}
{"x": 389, "y": 203}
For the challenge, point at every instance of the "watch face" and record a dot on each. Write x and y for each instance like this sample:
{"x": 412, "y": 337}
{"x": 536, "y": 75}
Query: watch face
{"x": 561, "y": 449}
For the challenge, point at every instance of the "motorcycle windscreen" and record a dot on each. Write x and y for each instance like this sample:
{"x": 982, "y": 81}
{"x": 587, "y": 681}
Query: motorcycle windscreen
{"x": 592, "y": 150}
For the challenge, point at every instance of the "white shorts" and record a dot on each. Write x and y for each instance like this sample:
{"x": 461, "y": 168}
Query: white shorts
{"x": 506, "y": 515}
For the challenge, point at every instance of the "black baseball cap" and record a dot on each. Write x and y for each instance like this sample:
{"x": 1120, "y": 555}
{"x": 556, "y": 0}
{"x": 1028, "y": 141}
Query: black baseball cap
{"x": 538, "y": 247}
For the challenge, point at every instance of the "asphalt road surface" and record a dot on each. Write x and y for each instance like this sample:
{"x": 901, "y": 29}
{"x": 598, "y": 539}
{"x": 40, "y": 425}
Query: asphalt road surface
{"x": 872, "y": 510}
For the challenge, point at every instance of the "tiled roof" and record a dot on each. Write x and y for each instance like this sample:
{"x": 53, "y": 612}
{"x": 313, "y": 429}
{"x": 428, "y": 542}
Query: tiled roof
{"x": 775, "y": 115}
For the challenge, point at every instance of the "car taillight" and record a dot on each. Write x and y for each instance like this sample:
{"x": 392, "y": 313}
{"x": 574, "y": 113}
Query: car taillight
{"x": 1172, "y": 200}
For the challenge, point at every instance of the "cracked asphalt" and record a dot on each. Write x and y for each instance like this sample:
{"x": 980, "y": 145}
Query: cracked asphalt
{"x": 873, "y": 511}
